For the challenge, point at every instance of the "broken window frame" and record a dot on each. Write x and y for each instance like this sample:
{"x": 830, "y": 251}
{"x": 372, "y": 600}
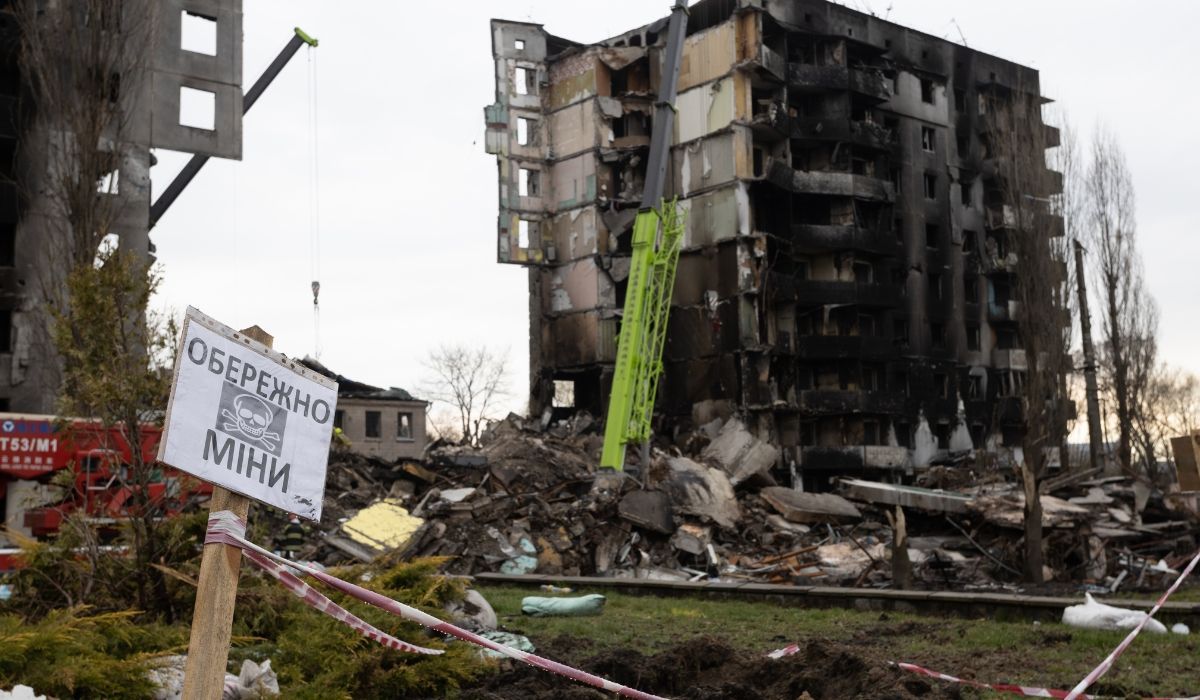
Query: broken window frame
{"x": 404, "y": 426}
{"x": 373, "y": 425}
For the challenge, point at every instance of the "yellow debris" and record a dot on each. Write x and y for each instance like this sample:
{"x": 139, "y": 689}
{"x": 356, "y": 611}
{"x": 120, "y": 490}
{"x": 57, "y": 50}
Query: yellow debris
{"x": 384, "y": 525}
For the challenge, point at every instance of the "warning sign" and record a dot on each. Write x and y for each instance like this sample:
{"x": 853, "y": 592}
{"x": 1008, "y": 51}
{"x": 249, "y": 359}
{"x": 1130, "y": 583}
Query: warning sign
{"x": 245, "y": 417}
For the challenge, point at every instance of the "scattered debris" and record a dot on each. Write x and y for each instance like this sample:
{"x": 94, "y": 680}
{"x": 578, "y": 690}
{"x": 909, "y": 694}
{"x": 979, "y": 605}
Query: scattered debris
{"x": 1098, "y": 616}
{"x": 800, "y": 507}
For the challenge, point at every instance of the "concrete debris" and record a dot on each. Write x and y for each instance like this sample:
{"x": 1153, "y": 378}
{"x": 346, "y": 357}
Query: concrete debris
{"x": 702, "y": 491}
{"x": 739, "y": 453}
{"x": 473, "y": 612}
{"x": 800, "y": 507}
{"x": 528, "y": 501}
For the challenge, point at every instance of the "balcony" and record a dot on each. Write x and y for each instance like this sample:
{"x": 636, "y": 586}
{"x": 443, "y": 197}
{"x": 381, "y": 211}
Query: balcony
{"x": 772, "y": 62}
{"x": 848, "y": 346}
{"x": 869, "y": 82}
{"x": 822, "y": 292}
{"x": 835, "y": 402}
{"x": 776, "y": 116}
{"x": 1009, "y": 359}
{"x": 829, "y": 183}
{"x": 819, "y": 238}
{"x": 853, "y": 457}
{"x": 1003, "y": 311}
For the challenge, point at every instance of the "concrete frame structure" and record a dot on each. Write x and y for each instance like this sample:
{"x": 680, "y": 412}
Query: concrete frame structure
{"x": 28, "y": 365}
{"x": 844, "y": 283}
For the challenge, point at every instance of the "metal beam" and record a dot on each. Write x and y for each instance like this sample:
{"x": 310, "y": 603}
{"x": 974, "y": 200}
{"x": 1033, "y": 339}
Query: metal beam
{"x": 192, "y": 168}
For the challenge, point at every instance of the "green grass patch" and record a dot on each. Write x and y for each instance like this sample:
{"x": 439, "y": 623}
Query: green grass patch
{"x": 1046, "y": 654}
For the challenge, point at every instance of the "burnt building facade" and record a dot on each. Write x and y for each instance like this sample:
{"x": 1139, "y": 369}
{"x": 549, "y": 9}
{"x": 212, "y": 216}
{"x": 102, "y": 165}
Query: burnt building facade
{"x": 844, "y": 284}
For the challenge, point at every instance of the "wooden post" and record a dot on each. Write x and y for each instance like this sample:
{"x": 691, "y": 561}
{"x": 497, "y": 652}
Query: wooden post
{"x": 212, "y": 618}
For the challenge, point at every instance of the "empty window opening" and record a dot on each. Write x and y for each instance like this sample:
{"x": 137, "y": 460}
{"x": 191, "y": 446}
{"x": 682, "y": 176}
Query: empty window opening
{"x": 930, "y": 186}
{"x": 863, "y": 272}
{"x": 519, "y": 44}
{"x": 6, "y": 334}
{"x": 935, "y": 285}
{"x": 528, "y": 182}
{"x": 404, "y": 425}
{"x": 564, "y": 393}
{"x": 110, "y": 182}
{"x": 937, "y": 334}
{"x": 971, "y": 289}
{"x": 523, "y": 81}
{"x": 941, "y": 383}
{"x": 933, "y": 236}
{"x": 960, "y": 101}
{"x": 970, "y": 240}
{"x": 927, "y": 91}
{"x": 523, "y": 234}
{"x": 965, "y": 188}
{"x": 927, "y": 139}
{"x": 526, "y": 131}
{"x": 870, "y": 432}
{"x": 197, "y": 108}
{"x": 974, "y": 386}
{"x": 198, "y": 33}
{"x": 8, "y": 245}
{"x": 942, "y": 432}
{"x": 373, "y": 425}
{"x": 973, "y": 338}
{"x": 903, "y": 435}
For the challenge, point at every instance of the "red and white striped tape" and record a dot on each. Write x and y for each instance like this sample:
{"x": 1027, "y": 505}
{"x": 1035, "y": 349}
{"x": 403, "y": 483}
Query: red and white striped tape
{"x": 1024, "y": 690}
{"x": 1089, "y": 679}
{"x": 226, "y": 528}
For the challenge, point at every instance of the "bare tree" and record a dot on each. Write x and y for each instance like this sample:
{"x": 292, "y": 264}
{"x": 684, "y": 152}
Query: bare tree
{"x": 1170, "y": 408}
{"x": 471, "y": 381}
{"x": 1129, "y": 317}
{"x": 1026, "y": 212}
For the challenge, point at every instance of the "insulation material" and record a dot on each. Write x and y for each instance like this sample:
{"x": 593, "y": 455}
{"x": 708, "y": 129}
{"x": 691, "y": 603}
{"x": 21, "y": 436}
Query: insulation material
{"x": 384, "y": 525}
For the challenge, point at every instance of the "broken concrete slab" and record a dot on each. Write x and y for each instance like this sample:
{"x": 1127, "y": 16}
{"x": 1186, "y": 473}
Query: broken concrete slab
{"x": 801, "y": 507}
{"x": 933, "y": 500}
{"x": 649, "y": 509}
{"x": 740, "y": 453}
{"x": 1008, "y": 510}
{"x": 691, "y": 538}
{"x": 702, "y": 491}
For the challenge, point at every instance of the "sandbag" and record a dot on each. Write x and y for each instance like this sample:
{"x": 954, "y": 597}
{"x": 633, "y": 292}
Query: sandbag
{"x": 581, "y": 605}
{"x": 1098, "y": 616}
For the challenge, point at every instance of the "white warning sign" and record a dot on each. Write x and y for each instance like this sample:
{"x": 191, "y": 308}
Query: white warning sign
{"x": 245, "y": 417}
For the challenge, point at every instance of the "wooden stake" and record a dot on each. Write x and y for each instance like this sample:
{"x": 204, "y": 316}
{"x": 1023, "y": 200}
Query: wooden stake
{"x": 212, "y": 618}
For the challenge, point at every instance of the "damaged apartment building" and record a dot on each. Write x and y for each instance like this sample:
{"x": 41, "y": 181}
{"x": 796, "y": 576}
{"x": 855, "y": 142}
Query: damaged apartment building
{"x": 844, "y": 284}
{"x": 173, "y": 70}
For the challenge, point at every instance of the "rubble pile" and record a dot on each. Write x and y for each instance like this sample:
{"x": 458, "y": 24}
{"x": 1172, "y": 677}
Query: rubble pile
{"x": 528, "y": 500}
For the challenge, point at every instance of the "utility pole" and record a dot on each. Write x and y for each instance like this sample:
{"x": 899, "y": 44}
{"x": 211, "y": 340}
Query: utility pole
{"x": 1095, "y": 427}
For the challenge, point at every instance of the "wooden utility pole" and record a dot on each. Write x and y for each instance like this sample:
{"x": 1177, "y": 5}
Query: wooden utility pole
{"x": 1095, "y": 427}
{"x": 212, "y": 618}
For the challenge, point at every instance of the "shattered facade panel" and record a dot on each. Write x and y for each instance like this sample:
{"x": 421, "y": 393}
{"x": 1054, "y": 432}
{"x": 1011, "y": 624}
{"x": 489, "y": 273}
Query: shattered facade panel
{"x": 843, "y": 283}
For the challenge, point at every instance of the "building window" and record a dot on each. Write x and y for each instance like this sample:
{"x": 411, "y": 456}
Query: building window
{"x": 927, "y": 91}
{"x": 404, "y": 426}
{"x": 927, "y": 139}
{"x": 971, "y": 289}
{"x": 930, "y": 186}
{"x": 964, "y": 189}
{"x": 970, "y": 239}
{"x": 937, "y": 331}
{"x": 870, "y": 432}
{"x": 935, "y": 285}
{"x": 519, "y": 44}
{"x": 960, "y": 101}
{"x": 373, "y": 425}
{"x": 933, "y": 237}
{"x": 973, "y": 338}
{"x": 900, "y": 331}
{"x": 8, "y": 245}
{"x": 526, "y": 131}
{"x": 941, "y": 382}
{"x": 523, "y": 81}
{"x": 339, "y": 419}
{"x": 974, "y": 386}
{"x": 903, "y": 435}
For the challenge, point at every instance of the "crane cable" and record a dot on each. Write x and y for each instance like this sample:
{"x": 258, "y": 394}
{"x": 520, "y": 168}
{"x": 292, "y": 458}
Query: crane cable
{"x": 314, "y": 201}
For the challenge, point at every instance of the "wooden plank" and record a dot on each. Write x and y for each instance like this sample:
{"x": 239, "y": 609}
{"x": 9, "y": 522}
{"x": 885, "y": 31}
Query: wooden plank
{"x": 216, "y": 595}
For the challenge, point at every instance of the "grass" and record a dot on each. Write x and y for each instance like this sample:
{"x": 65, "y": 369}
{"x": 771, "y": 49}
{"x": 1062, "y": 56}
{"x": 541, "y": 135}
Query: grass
{"x": 1047, "y": 654}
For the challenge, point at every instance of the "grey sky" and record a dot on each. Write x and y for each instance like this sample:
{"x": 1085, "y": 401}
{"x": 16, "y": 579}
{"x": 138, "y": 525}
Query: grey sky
{"x": 408, "y": 197}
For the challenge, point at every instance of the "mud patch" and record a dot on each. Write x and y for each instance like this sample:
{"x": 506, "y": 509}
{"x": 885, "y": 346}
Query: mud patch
{"x": 709, "y": 669}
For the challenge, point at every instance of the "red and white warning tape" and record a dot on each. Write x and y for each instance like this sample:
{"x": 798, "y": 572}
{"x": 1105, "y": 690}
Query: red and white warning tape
{"x": 1024, "y": 690}
{"x": 226, "y": 528}
{"x": 1077, "y": 691}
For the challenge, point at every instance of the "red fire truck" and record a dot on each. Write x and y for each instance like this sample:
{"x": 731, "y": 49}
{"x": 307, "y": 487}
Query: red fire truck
{"x": 34, "y": 448}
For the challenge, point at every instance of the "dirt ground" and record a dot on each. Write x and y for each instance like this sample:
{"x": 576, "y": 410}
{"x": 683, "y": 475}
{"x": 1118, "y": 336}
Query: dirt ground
{"x": 709, "y": 669}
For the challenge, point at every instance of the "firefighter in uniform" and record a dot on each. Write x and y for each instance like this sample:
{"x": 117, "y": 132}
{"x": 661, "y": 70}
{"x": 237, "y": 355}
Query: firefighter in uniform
{"x": 293, "y": 538}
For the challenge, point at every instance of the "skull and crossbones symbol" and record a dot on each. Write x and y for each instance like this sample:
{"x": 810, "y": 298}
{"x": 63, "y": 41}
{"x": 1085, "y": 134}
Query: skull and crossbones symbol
{"x": 251, "y": 416}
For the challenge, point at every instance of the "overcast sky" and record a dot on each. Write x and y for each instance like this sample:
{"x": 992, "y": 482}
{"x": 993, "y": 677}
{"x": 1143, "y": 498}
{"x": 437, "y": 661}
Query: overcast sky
{"x": 407, "y": 196}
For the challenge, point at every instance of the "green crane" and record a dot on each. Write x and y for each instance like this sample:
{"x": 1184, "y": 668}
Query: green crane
{"x": 657, "y": 236}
